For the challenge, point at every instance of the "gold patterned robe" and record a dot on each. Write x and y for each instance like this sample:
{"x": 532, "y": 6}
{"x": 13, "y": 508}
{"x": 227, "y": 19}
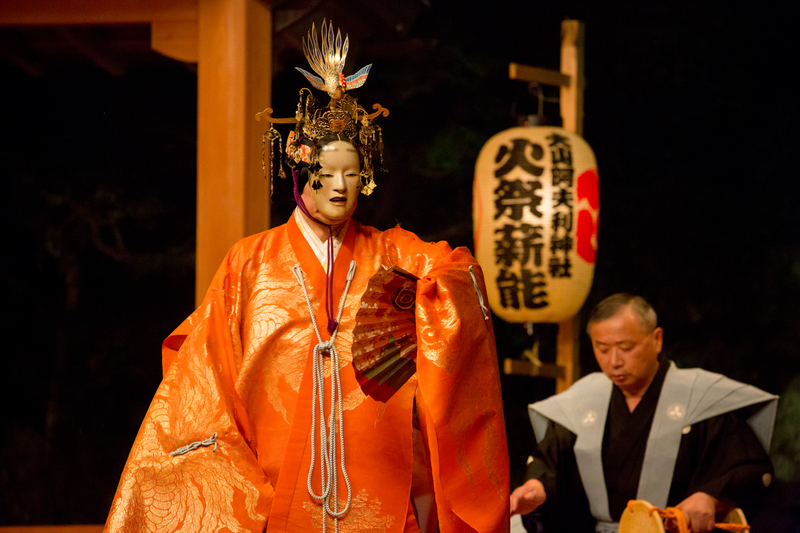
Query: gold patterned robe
{"x": 240, "y": 367}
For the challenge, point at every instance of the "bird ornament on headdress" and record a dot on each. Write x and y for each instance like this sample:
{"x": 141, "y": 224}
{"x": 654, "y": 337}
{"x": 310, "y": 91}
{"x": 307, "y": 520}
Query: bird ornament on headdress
{"x": 327, "y": 59}
{"x": 342, "y": 117}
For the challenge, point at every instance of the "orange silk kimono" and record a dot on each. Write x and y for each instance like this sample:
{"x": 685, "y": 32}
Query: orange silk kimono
{"x": 240, "y": 367}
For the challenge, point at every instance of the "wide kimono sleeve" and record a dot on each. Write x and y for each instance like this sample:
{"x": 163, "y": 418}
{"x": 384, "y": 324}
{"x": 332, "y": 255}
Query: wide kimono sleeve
{"x": 459, "y": 399}
{"x": 552, "y": 462}
{"x": 216, "y": 484}
{"x": 723, "y": 458}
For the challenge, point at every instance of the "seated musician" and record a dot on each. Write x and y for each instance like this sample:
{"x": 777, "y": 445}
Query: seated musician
{"x": 644, "y": 429}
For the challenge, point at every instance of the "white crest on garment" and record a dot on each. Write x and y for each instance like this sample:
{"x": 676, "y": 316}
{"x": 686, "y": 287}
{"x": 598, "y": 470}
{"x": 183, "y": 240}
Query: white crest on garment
{"x": 676, "y": 411}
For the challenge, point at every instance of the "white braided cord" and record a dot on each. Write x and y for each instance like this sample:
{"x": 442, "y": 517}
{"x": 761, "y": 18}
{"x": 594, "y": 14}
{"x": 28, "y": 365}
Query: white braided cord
{"x": 212, "y": 440}
{"x": 484, "y": 309}
{"x": 327, "y": 453}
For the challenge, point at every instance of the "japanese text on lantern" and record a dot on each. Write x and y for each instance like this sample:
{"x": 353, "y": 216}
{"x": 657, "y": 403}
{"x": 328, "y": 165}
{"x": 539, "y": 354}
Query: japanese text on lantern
{"x": 561, "y": 224}
{"x": 519, "y": 242}
{"x": 529, "y": 212}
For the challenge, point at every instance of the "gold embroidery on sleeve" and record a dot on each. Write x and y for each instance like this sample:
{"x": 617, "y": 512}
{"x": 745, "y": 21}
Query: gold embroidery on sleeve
{"x": 363, "y": 517}
{"x": 439, "y": 324}
{"x": 490, "y": 445}
{"x": 193, "y": 492}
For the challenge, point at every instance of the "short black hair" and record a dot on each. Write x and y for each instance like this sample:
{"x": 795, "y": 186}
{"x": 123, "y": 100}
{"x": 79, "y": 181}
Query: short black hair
{"x": 615, "y": 303}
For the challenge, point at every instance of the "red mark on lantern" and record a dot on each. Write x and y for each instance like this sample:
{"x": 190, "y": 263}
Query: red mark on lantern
{"x": 588, "y": 187}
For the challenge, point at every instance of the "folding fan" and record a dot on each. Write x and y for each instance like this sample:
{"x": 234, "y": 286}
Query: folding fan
{"x": 385, "y": 336}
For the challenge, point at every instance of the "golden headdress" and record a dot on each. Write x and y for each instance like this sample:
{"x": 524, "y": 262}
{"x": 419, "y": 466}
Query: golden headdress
{"x": 342, "y": 117}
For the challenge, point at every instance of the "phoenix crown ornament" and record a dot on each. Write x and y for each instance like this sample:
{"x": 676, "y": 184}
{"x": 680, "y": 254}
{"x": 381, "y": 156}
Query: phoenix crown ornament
{"x": 326, "y": 57}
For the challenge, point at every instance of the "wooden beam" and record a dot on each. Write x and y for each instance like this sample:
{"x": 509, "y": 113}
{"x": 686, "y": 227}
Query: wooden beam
{"x": 526, "y": 368}
{"x": 233, "y": 84}
{"x": 176, "y": 39}
{"x": 571, "y": 103}
{"x": 33, "y": 12}
{"x": 572, "y": 35}
{"x": 567, "y": 355}
{"x": 100, "y": 56}
{"x": 21, "y": 56}
{"x": 538, "y": 75}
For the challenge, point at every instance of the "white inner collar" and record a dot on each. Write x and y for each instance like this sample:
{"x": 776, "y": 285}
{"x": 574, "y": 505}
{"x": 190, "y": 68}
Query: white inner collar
{"x": 320, "y": 248}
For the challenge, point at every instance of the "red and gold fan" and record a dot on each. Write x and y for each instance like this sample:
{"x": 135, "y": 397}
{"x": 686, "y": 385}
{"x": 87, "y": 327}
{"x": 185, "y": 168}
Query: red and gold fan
{"x": 385, "y": 336}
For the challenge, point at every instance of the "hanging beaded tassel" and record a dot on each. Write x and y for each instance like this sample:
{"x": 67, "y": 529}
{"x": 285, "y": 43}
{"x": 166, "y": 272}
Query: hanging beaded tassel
{"x": 264, "y": 155}
{"x": 380, "y": 149}
{"x": 271, "y": 134}
{"x": 281, "y": 174}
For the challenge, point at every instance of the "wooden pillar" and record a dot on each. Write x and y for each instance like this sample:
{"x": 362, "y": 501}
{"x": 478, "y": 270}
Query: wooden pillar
{"x": 571, "y": 103}
{"x": 233, "y": 83}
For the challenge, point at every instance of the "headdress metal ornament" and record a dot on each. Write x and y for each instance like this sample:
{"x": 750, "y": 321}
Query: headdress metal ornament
{"x": 342, "y": 117}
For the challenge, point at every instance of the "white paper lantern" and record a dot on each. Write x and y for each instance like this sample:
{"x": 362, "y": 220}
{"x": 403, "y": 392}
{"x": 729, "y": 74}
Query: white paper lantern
{"x": 535, "y": 215}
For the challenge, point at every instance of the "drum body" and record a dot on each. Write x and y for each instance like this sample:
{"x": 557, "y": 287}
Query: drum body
{"x": 641, "y": 517}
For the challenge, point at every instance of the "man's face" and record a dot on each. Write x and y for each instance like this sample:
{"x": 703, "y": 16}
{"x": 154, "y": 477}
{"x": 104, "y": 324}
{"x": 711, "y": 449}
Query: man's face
{"x": 626, "y": 353}
{"x": 337, "y": 195}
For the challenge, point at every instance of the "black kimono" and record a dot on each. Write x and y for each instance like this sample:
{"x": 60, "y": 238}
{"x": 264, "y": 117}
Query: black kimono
{"x": 720, "y": 456}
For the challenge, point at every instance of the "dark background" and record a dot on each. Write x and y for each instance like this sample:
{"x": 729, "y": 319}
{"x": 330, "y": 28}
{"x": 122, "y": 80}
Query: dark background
{"x": 689, "y": 110}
